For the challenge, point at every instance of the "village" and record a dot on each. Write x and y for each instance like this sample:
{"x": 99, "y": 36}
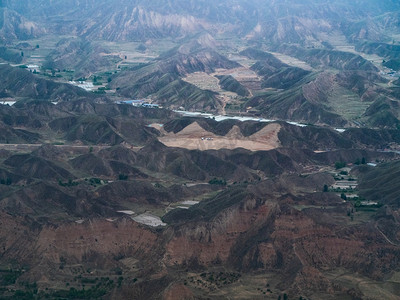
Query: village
{"x": 346, "y": 187}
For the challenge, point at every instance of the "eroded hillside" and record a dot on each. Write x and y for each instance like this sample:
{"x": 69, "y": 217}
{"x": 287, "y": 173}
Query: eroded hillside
{"x": 108, "y": 207}
{"x": 182, "y": 149}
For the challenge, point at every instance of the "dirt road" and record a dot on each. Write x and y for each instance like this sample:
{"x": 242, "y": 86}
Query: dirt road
{"x": 70, "y": 148}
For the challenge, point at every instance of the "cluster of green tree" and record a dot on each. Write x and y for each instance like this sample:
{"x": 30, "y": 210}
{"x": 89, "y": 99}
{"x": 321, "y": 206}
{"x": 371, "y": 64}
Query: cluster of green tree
{"x": 343, "y": 190}
{"x": 360, "y": 162}
{"x": 69, "y": 183}
{"x": 103, "y": 88}
{"x": 52, "y": 71}
{"x": 340, "y": 164}
{"x": 221, "y": 277}
{"x": 29, "y": 291}
{"x": 101, "y": 92}
{"x": 97, "y": 80}
{"x": 97, "y": 291}
{"x": 8, "y": 277}
{"x": 217, "y": 181}
{"x": 94, "y": 181}
{"x": 6, "y": 181}
{"x": 286, "y": 297}
{"x": 122, "y": 177}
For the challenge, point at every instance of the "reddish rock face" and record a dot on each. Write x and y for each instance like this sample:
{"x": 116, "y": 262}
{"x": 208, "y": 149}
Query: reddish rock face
{"x": 286, "y": 241}
{"x": 211, "y": 242}
{"x": 266, "y": 235}
{"x": 97, "y": 236}
{"x": 97, "y": 243}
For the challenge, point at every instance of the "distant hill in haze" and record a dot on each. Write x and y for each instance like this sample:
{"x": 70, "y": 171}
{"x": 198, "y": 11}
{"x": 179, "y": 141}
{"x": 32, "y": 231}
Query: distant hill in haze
{"x": 84, "y": 57}
{"x": 271, "y": 20}
{"x": 162, "y": 78}
{"x": 15, "y": 27}
{"x": 313, "y": 32}
{"x": 21, "y": 84}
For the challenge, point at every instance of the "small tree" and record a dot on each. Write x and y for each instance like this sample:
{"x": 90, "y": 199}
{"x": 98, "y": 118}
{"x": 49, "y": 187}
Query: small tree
{"x": 217, "y": 181}
{"x": 122, "y": 177}
{"x": 325, "y": 188}
{"x": 339, "y": 165}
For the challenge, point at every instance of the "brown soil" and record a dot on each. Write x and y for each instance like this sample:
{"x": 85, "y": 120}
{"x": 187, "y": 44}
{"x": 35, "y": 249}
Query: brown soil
{"x": 244, "y": 75}
{"x": 194, "y": 137}
{"x": 178, "y": 292}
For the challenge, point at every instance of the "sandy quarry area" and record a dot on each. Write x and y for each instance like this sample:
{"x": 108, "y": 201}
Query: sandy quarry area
{"x": 194, "y": 137}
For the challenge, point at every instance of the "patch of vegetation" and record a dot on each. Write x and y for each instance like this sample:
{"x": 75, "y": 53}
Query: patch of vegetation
{"x": 101, "y": 92}
{"x": 96, "y": 181}
{"x": 217, "y": 181}
{"x": 103, "y": 88}
{"x": 99, "y": 288}
{"x": 6, "y": 181}
{"x": 340, "y": 164}
{"x": 94, "y": 292}
{"x": 122, "y": 177}
{"x": 69, "y": 183}
{"x": 212, "y": 279}
{"x": 8, "y": 277}
{"x": 362, "y": 161}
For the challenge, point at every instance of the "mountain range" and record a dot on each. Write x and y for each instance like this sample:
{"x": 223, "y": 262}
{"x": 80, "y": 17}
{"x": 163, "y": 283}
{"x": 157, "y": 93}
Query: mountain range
{"x": 274, "y": 21}
{"x": 259, "y": 160}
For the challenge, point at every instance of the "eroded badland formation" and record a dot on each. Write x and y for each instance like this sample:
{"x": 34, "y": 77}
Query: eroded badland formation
{"x": 199, "y": 150}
